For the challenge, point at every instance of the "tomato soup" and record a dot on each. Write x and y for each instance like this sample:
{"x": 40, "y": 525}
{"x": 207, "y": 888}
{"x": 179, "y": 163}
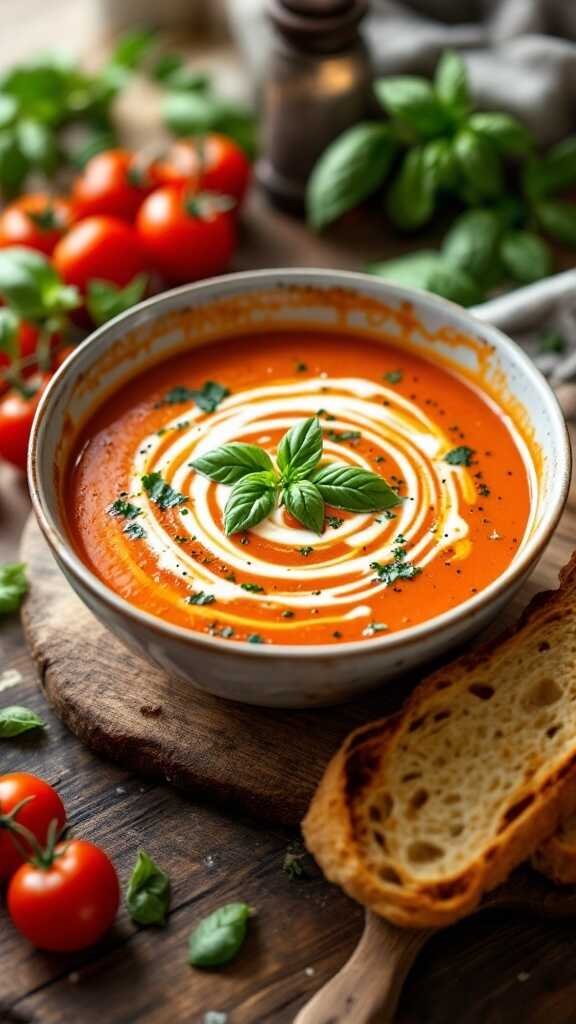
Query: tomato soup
{"x": 457, "y": 463}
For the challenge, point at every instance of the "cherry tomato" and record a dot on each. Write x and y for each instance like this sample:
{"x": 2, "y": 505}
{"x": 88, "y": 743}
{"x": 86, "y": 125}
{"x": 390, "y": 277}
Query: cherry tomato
{"x": 113, "y": 183}
{"x": 99, "y": 247}
{"x": 68, "y": 904}
{"x": 44, "y": 807}
{"x": 16, "y": 416}
{"x": 186, "y": 236}
{"x": 212, "y": 163}
{"x": 36, "y": 221}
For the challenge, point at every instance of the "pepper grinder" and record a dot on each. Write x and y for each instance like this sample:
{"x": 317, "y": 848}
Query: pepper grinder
{"x": 318, "y": 83}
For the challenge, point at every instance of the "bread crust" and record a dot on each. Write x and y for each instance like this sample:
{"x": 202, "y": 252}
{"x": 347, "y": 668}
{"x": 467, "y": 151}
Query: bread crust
{"x": 331, "y": 829}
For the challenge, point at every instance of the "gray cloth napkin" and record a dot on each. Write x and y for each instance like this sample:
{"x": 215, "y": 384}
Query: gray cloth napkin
{"x": 521, "y": 54}
{"x": 534, "y": 316}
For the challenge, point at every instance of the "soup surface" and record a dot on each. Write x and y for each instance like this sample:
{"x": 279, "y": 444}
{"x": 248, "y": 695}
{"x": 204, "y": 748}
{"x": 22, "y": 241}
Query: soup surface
{"x": 454, "y": 460}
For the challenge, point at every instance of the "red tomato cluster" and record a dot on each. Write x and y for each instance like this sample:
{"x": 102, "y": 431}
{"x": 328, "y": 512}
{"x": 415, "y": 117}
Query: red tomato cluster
{"x": 62, "y": 896}
{"x": 173, "y": 216}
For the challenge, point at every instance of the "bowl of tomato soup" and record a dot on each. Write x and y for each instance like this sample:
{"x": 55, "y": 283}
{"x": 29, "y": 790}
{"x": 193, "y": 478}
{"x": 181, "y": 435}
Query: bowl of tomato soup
{"x": 289, "y": 486}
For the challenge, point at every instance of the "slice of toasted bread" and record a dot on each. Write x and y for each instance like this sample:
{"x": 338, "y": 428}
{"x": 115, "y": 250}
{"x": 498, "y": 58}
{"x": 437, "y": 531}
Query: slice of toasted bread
{"x": 557, "y": 856}
{"x": 419, "y": 814}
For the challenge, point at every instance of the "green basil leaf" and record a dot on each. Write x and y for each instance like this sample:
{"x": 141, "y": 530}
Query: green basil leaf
{"x": 554, "y": 172}
{"x": 38, "y": 145}
{"x": 472, "y": 244}
{"x": 410, "y": 200}
{"x": 506, "y": 132}
{"x": 133, "y": 47}
{"x": 166, "y": 67}
{"x": 525, "y": 256}
{"x": 300, "y": 449}
{"x": 195, "y": 112}
{"x": 16, "y": 720}
{"x": 14, "y": 166}
{"x": 13, "y": 587}
{"x": 439, "y": 163}
{"x": 251, "y": 499}
{"x": 161, "y": 493}
{"x": 9, "y": 328}
{"x": 232, "y": 461}
{"x": 31, "y": 285}
{"x": 451, "y": 84}
{"x": 349, "y": 170}
{"x": 122, "y": 509}
{"x": 460, "y": 456}
{"x": 353, "y": 488}
{"x": 105, "y": 300}
{"x": 432, "y": 272}
{"x": 219, "y": 937}
{"x": 479, "y": 162}
{"x": 558, "y": 220}
{"x": 412, "y": 101}
{"x": 148, "y": 892}
{"x": 304, "y": 501}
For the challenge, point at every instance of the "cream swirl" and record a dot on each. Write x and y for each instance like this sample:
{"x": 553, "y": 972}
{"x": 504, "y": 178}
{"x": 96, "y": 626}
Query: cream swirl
{"x": 395, "y": 432}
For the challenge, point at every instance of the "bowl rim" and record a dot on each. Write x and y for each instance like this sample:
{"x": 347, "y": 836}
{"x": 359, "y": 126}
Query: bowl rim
{"x": 321, "y": 277}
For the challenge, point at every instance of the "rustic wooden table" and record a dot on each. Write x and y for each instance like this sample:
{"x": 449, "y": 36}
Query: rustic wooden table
{"x": 494, "y": 969}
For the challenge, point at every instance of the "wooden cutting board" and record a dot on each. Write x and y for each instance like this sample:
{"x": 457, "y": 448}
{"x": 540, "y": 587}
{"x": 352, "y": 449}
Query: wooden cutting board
{"x": 263, "y": 761}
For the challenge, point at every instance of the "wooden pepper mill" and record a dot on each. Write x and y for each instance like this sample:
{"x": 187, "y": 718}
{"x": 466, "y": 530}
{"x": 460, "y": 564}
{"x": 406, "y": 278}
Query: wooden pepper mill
{"x": 318, "y": 83}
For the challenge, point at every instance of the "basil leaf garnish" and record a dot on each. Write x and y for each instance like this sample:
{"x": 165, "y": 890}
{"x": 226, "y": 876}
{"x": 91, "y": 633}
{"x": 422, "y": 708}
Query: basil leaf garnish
{"x": 304, "y": 501}
{"x": 161, "y": 493}
{"x": 16, "y": 720}
{"x": 13, "y": 587}
{"x": 252, "y": 499}
{"x": 148, "y": 892}
{"x": 219, "y": 937}
{"x": 353, "y": 488}
{"x": 207, "y": 398}
{"x": 232, "y": 461}
{"x": 123, "y": 509}
{"x": 300, "y": 450}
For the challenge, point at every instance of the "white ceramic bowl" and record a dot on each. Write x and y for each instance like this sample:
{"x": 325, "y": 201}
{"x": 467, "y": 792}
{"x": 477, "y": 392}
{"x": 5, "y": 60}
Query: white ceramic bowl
{"x": 275, "y": 675}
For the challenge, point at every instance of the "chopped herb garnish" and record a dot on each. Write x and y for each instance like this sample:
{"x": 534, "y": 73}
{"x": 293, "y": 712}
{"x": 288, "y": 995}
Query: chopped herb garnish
{"x": 343, "y": 435}
{"x": 161, "y": 493}
{"x": 252, "y": 588}
{"x": 208, "y": 398}
{"x": 394, "y": 376}
{"x": 181, "y": 539}
{"x": 334, "y": 521}
{"x": 134, "y": 530}
{"x": 226, "y": 632}
{"x": 255, "y": 638}
{"x": 201, "y": 598}
{"x": 461, "y": 456}
{"x": 301, "y": 367}
{"x": 380, "y": 458}
{"x": 337, "y": 634}
{"x": 287, "y": 614}
{"x": 373, "y": 628}
{"x": 484, "y": 490}
{"x": 306, "y": 550}
{"x": 123, "y": 509}
{"x": 397, "y": 569}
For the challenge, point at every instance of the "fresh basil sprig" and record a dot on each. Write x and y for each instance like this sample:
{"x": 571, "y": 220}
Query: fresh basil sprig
{"x": 220, "y": 936}
{"x": 32, "y": 287}
{"x": 300, "y": 482}
{"x": 16, "y": 720}
{"x": 13, "y": 587}
{"x": 148, "y": 892}
{"x": 105, "y": 300}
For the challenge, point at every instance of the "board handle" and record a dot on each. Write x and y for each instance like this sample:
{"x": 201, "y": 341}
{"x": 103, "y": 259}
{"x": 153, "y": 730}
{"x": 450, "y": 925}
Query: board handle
{"x": 366, "y": 990}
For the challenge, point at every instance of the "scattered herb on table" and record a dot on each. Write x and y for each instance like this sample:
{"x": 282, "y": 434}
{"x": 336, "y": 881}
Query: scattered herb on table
{"x": 294, "y": 863}
{"x": 148, "y": 892}
{"x": 461, "y": 456}
{"x": 15, "y": 720}
{"x": 299, "y": 481}
{"x": 13, "y": 587}
{"x": 160, "y": 492}
{"x": 219, "y": 937}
